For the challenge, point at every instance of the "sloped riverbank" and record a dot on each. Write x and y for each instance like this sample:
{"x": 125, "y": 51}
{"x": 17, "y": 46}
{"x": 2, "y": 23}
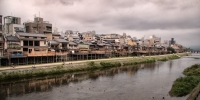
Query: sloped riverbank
{"x": 84, "y": 66}
{"x": 185, "y": 85}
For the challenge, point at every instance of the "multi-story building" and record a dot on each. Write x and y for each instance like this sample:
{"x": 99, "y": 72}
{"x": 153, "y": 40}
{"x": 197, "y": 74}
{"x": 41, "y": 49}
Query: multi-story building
{"x": 33, "y": 44}
{"x": 89, "y": 36}
{"x": 12, "y": 24}
{"x": 1, "y": 37}
{"x": 39, "y": 26}
{"x": 172, "y": 42}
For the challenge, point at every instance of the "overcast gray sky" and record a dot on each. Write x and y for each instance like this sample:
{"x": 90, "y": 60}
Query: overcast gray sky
{"x": 179, "y": 19}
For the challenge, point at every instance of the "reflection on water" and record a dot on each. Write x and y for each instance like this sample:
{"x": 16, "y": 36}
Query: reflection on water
{"x": 46, "y": 84}
{"x": 131, "y": 82}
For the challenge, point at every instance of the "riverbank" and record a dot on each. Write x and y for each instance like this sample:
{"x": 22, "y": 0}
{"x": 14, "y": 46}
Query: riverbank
{"x": 77, "y": 66}
{"x": 184, "y": 85}
{"x": 195, "y": 94}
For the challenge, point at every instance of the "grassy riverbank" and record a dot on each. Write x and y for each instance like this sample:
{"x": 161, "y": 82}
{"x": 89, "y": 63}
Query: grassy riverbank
{"x": 184, "y": 85}
{"x": 85, "y": 66}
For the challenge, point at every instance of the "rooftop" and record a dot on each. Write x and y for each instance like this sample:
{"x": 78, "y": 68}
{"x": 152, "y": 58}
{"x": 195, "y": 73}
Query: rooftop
{"x": 61, "y": 40}
{"x": 52, "y": 42}
{"x": 31, "y": 34}
{"x": 12, "y": 39}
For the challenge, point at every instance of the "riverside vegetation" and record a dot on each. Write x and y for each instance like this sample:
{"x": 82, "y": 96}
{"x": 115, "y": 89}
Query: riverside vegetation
{"x": 184, "y": 85}
{"x": 89, "y": 66}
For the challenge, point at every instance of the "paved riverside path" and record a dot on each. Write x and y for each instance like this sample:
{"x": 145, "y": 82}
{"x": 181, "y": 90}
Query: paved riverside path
{"x": 58, "y": 63}
{"x": 73, "y": 62}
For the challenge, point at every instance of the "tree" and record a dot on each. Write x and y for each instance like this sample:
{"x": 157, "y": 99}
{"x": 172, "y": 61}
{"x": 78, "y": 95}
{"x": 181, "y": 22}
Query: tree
{"x": 170, "y": 49}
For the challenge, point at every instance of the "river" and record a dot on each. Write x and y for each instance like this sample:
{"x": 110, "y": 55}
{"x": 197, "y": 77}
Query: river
{"x": 141, "y": 82}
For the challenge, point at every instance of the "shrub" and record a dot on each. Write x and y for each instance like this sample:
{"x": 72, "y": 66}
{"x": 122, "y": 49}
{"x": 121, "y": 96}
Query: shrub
{"x": 184, "y": 85}
{"x": 110, "y": 64}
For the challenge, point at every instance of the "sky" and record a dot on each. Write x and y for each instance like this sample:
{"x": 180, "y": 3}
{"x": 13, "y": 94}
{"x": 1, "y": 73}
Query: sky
{"x": 178, "y": 19}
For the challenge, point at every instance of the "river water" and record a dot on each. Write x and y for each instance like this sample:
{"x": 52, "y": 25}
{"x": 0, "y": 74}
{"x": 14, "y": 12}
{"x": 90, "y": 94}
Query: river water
{"x": 141, "y": 82}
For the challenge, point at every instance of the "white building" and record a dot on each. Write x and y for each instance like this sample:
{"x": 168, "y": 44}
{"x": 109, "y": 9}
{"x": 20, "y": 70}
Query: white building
{"x": 12, "y": 24}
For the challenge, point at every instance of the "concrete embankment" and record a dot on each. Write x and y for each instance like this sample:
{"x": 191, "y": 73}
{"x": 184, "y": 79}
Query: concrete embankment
{"x": 195, "y": 94}
{"x": 20, "y": 72}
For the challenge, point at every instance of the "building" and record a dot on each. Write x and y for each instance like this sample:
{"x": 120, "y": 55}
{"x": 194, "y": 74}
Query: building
{"x": 12, "y": 24}
{"x": 39, "y": 26}
{"x": 33, "y": 44}
{"x": 89, "y": 36}
{"x": 1, "y": 37}
{"x": 172, "y": 42}
{"x": 12, "y": 46}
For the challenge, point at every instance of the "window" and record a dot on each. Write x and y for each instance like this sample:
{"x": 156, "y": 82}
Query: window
{"x": 26, "y": 37}
{"x": 37, "y": 43}
{"x": 25, "y": 43}
{"x": 35, "y": 37}
{"x": 25, "y": 49}
{"x": 30, "y": 43}
{"x": 44, "y": 42}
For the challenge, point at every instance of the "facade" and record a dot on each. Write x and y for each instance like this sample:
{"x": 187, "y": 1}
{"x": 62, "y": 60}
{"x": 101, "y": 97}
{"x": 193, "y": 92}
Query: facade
{"x": 1, "y": 37}
{"x": 172, "y": 42}
{"x": 33, "y": 44}
{"x": 39, "y": 26}
{"x": 12, "y": 24}
{"x": 89, "y": 36}
{"x": 12, "y": 46}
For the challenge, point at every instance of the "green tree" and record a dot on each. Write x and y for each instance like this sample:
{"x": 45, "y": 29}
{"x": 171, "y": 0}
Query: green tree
{"x": 171, "y": 49}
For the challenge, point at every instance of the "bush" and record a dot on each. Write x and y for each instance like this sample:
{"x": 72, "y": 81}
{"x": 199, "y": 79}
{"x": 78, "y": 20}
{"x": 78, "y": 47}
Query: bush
{"x": 193, "y": 70}
{"x": 170, "y": 49}
{"x": 110, "y": 64}
{"x": 184, "y": 85}
{"x": 91, "y": 63}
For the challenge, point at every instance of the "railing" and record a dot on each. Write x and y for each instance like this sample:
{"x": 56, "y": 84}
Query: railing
{"x": 14, "y": 47}
{"x": 61, "y": 53}
{"x": 98, "y": 52}
{"x": 83, "y": 52}
{"x": 72, "y": 48}
{"x": 41, "y": 53}
{"x": 14, "y": 54}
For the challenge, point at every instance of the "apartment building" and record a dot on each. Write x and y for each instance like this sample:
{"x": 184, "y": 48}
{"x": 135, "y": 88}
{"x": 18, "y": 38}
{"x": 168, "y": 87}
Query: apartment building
{"x": 12, "y": 24}
{"x": 1, "y": 37}
{"x": 39, "y": 26}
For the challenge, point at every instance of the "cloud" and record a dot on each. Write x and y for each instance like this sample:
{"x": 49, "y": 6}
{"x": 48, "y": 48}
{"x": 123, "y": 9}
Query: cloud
{"x": 165, "y": 18}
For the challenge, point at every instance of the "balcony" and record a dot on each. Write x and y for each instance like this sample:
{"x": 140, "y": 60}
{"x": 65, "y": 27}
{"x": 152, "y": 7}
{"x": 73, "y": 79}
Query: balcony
{"x": 98, "y": 52}
{"x": 15, "y": 54}
{"x": 40, "y": 53}
{"x": 17, "y": 48}
{"x": 61, "y": 53}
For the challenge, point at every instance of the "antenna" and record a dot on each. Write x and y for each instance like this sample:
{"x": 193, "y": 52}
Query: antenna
{"x": 39, "y": 13}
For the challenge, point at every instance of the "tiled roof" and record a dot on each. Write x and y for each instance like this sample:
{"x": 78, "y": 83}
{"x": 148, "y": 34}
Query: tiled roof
{"x": 75, "y": 37}
{"x": 12, "y": 39}
{"x": 72, "y": 43}
{"x": 101, "y": 44}
{"x": 55, "y": 34}
{"x": 61, "y": 40}
{"x": 53, "y": 42}
{"x": 31, "y": 34}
